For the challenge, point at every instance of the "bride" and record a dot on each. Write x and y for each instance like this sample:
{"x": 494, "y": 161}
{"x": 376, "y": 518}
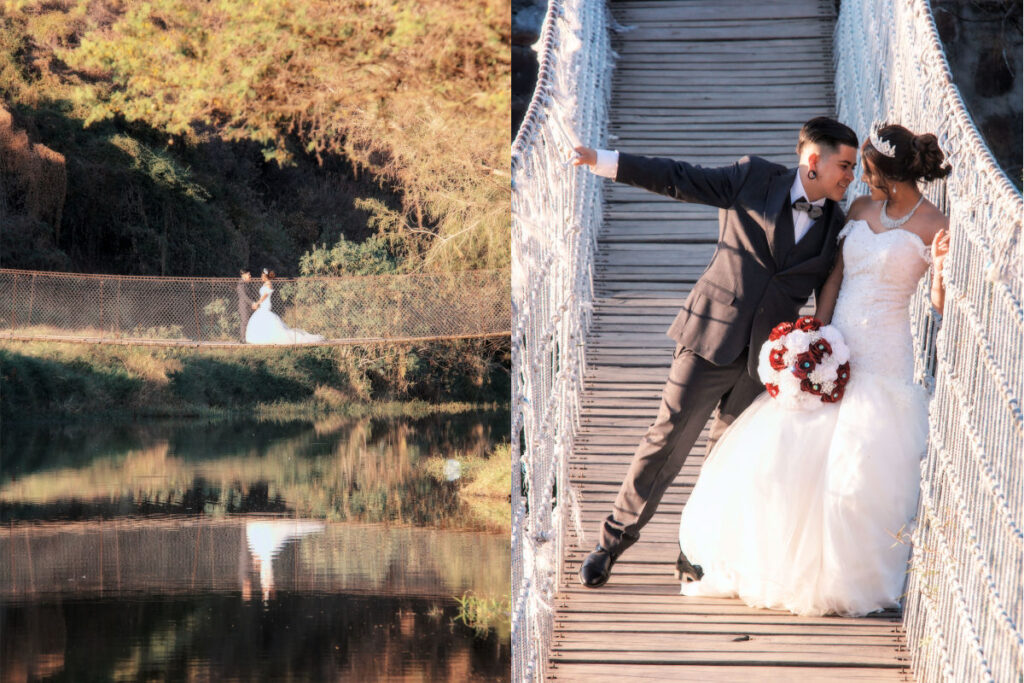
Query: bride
{"x": 811, "y": 512}
{"x": 265, "y": 327}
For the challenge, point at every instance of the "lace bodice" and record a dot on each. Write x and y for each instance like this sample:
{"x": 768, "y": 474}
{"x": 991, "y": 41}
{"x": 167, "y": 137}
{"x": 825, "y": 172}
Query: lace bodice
{"x": 268, "y": 290}
{"x": 880, "y": 274}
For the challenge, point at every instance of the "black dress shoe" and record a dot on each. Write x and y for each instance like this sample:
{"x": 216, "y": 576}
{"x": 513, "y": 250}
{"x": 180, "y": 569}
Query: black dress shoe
{"x": 596, "y": 568}
{"x": 688, "y": 572}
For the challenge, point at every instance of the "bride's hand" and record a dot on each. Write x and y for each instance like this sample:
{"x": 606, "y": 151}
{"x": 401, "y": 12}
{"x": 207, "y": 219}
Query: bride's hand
{"x": 940, "y": 247}
{"x": 255, "y": 306}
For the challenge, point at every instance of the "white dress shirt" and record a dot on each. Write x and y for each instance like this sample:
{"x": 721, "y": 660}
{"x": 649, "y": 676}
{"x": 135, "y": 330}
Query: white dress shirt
{"x": 801, "y": 219}
{"x": 607, "y": 166}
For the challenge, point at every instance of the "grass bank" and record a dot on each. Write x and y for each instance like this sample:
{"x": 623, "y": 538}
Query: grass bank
{"x": 55, "y": 378}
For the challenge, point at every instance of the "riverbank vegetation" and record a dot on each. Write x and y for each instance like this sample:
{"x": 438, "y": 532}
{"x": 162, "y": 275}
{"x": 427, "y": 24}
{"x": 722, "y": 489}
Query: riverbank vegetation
{"x": 486, "y": 615}
{"x": 184, "y": 137}
{"x": 54, "y": 378}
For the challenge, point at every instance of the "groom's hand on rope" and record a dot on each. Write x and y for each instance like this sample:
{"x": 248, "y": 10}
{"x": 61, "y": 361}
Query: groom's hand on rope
{"x": 584, "y": 156}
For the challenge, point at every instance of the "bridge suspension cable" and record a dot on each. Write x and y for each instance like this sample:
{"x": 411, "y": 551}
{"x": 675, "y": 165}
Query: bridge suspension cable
{"x": 556, "y": 212}
{"x": 965, "y": 596}
{"x": 210, "y": 311}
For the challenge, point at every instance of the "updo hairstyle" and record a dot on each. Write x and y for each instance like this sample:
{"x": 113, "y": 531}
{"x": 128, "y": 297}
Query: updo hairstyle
{"x": 918, "y": 157}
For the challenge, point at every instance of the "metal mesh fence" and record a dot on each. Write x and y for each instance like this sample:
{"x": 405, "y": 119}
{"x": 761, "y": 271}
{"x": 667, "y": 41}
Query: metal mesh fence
{"x": 112, "y": 308}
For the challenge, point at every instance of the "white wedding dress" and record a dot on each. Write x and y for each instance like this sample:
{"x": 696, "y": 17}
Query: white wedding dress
{"x": 811, "y": 511}
{"x": 265, "y": 327}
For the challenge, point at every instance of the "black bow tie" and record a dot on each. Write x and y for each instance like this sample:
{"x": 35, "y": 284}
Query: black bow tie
{"x": 803, "y": 205}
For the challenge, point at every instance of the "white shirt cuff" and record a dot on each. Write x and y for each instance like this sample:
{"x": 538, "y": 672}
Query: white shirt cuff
{"x": 607, "y": 164}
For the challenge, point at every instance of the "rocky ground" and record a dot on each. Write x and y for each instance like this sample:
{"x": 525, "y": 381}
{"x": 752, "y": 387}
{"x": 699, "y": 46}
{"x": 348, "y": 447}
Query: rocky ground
{"x": 983, "y": 45}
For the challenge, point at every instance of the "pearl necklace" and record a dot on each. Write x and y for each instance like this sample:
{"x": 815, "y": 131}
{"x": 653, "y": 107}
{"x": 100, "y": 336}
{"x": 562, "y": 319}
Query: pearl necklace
{"x": 891, "y": 223}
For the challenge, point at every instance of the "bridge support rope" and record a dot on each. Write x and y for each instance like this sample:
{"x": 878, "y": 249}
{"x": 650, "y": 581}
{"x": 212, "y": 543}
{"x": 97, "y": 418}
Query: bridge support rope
{"x": 556, "y": 212}
{"x": 964, "y": 597}
{"x": 178, "y": 311}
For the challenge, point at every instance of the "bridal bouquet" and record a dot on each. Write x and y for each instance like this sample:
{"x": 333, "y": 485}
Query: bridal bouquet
{"x": 804, "y": 364}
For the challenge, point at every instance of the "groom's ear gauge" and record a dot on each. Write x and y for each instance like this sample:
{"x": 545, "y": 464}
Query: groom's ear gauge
{"x": 812, "y": 161}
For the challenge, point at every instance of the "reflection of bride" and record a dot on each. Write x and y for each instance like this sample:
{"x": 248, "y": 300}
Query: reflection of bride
{"x": 265, "y": 327}
{"x": 266, "y": 538}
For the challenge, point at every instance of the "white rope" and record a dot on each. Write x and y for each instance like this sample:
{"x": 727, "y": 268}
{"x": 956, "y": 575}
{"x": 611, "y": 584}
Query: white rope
{"x": 556, "y": 210}
{"x": 964, "y": 596}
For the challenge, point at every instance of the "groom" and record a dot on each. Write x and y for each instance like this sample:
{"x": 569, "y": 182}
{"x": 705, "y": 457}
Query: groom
{"x": 245, "y": 302}
{"x": 776, "y": 244}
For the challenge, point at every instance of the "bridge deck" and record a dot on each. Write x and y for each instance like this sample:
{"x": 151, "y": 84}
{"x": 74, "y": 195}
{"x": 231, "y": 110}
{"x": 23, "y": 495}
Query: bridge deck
{"x": 708, "y": 82}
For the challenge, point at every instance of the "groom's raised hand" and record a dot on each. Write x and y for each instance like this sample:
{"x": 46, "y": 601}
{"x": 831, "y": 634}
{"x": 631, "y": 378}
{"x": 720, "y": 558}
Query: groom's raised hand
{"x": 584, "y": 156}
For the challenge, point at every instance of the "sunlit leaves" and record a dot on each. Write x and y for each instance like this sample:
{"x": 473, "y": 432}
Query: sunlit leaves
{"x": 415, "y": 92}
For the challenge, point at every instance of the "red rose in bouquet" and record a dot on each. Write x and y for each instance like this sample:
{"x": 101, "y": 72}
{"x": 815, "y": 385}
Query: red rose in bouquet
{"x": 843, "y": 374}
{"x": 805, "y": 364}
{"x": 810, "y": 387}
{"x": 834, "y": 397}
{"x": 780, "y": 330}
{"x": 773, "y": 389}
{"x": 808, "y": 323}
{"x": 819, "y": 349}
{"x": 777, "y": 358}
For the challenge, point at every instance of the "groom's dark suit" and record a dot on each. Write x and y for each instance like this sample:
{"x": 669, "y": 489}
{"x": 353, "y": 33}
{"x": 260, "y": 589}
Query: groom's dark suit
{"x": 757, "y": 278}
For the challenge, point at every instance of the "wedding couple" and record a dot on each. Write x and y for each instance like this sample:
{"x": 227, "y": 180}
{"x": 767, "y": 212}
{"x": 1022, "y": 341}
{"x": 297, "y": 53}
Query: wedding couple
{"x": 264, "y": 326}
{"x": 802, "y": 511}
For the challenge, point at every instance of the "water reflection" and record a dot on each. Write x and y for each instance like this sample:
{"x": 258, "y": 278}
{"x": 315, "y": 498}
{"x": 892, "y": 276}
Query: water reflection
{"x": 246, "y": 550}
{"x": 219, "y": 637}
{"x": 332, "y": 469}
{"x": 175, "y": 594}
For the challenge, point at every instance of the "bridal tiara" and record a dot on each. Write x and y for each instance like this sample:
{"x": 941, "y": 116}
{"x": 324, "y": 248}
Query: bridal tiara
{"x": 883, "y": 146}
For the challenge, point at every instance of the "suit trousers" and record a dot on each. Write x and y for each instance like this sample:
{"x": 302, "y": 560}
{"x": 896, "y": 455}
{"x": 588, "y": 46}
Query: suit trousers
{"x": 244, "y": 312}
{"x": 695, "y": 386}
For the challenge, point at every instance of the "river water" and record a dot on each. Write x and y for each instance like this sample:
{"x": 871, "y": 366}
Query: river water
{"x": 201, "y": 550}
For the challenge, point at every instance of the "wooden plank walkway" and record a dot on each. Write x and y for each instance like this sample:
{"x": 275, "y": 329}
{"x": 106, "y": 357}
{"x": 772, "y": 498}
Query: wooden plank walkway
{"x": 707, "y": 81}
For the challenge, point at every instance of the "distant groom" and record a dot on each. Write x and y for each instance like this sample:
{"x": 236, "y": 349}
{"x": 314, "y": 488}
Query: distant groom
{"x": 776, "y": 244}
{"x": 245, "y": 302}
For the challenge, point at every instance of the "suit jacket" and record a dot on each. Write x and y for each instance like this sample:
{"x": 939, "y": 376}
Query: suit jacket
{"x": 757, "y": 278}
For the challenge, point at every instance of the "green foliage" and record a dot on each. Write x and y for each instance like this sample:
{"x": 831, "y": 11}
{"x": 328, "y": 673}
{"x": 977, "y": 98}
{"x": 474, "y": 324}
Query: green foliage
{"x": 484, "y": 615}
{"x": 204, "y": 136}
{"x": 372, "y": 256}
{"x": 45, "y": 378}
{"x": 221, "y": 321}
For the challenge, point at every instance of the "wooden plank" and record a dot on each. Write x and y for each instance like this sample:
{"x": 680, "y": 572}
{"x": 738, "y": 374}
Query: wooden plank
{"x": 616, "y": 673}
{"x": 673, "y": 13}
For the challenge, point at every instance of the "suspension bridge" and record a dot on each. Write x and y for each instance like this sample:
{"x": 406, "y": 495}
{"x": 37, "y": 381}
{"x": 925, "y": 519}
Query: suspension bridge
{"x": 192, "y": 311}
{"x": 599, "y": 270}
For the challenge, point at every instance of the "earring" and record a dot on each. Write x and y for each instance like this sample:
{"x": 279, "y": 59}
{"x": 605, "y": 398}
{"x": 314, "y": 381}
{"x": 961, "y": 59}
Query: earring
{"x": 812, "y": 174}
{"x": 893, "y": 189}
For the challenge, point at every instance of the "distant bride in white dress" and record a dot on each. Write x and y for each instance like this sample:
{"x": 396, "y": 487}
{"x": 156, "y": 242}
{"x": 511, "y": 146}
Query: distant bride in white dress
{"x": 265, "y": 327}
{"x": 811, "y": 511}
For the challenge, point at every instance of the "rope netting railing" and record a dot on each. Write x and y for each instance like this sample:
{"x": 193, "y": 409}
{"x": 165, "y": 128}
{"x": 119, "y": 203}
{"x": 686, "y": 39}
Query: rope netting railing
{"x": 964, "y": 604}
{"x": 556, "y": 211}
{"x": 179, "y": 310}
